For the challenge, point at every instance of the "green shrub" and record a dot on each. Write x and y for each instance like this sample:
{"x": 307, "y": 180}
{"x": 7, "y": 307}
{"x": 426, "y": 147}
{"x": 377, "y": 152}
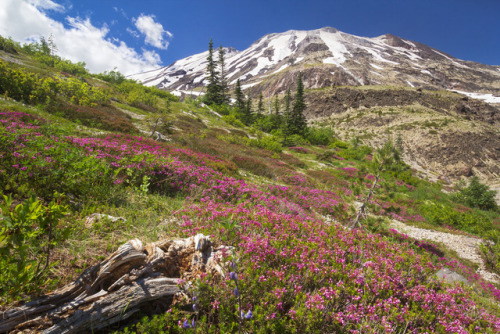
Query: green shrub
{"x": 268, "y": 143}
{"x": 67, "y": 66}
{"x": 114, "y": 77}
{"x": 9, "y": 45}
{"x": 232, "y": 120}
{"x": 60, "y": 64}
{"x": 81, "y": 93}
{"x": 25, "y": 86}
{"x": 222, "y": 109}
{"x": 354, "y": 153}
{"x": 295, "y": 140}
{"x": 478, "y": 195}
{"x": 137, "y": 97}
{"x": 140, "y": 96}
{"x": 22, "y": 85}
{"x": 491, "y": 251}
{"x": 339, "y": 144}
{"x": 472, "y": 221}
{"x": 28, "y": 232}
{"x": 162, "y": 94}
{"x": 320, "y": 136}
{"x": 268, "y": 123}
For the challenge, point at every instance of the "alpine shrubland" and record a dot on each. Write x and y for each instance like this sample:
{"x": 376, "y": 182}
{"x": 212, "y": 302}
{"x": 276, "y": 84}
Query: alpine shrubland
{"x": 281, "y": 200}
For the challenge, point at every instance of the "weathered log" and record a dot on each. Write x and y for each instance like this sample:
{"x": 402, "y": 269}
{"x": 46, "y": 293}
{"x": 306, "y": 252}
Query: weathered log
{"x": 127, "y": 281}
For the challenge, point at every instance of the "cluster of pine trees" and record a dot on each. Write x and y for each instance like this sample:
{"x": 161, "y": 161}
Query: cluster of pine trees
{"x": 217, "y": 83}
{"x": 290, "y": 122}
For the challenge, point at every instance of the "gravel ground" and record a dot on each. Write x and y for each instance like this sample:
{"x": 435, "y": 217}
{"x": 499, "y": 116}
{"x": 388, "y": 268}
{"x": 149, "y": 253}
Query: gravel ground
{"x": 466, "y": 247}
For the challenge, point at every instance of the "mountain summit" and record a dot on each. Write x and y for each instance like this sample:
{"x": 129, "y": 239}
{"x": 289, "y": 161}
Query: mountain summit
{"x": 329, "y": 57}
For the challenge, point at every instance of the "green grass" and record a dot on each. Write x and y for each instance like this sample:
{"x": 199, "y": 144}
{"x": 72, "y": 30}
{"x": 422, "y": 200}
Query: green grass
{"x": 344, "y": 168}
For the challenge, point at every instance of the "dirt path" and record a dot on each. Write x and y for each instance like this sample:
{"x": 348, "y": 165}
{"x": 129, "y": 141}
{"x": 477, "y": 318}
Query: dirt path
{"x": 466, "y": 247}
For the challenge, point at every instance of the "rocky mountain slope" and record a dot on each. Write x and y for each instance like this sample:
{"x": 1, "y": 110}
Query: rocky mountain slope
{"x": 329, "y": 57}
{"x": 444, "y": 135}
{"x": 447, "y": 135}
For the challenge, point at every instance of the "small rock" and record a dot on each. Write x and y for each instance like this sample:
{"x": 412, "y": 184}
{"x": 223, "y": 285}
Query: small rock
{"x": 90, "y": 220}
{"x": 451, "y": 277}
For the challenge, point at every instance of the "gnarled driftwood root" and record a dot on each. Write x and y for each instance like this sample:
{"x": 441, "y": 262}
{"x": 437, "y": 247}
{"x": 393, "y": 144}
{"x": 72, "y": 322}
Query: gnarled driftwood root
{"x": 130, "y": 279}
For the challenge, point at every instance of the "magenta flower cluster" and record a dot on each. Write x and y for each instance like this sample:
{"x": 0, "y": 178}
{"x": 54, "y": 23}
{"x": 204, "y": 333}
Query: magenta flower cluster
{"x": 297, "y": 271}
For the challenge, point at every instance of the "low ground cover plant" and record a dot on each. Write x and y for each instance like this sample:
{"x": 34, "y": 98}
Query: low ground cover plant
{"x": 292, "y": 265}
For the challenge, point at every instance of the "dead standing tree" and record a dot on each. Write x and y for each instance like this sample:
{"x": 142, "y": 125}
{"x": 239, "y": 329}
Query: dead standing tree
{"x": 383, "y": 158}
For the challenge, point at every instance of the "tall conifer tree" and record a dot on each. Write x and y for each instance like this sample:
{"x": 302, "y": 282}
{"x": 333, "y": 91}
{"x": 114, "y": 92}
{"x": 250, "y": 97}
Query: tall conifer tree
{"x": 299, "y": 123}
{"x": 287, "y": 118}
{"x": 238, "y": 95}
{"x": 276, "y": 105}
{"x": 212, "y": 96}
{"x": 248, "y": 111}
{"x": 260, "y": 105}
{"x": 224, "y": 98}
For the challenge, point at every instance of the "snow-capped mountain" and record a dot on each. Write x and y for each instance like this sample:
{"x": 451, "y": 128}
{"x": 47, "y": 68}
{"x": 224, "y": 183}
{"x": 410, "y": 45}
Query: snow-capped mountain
{"x": 328, "y": 57}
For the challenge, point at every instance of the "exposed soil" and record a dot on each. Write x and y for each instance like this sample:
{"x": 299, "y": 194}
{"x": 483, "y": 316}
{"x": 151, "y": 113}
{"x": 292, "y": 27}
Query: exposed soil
{"x": 322, "y": 103}
{"x": 445, "y": 135}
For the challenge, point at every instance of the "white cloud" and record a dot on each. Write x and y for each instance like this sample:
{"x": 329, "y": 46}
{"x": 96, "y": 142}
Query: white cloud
{"x": 121, "y": 11}
{"x": 133, "y": 32}
{"x": 46, "y": 5}
{"x": 154, "y": 32}
{"x": 26, "y": 20}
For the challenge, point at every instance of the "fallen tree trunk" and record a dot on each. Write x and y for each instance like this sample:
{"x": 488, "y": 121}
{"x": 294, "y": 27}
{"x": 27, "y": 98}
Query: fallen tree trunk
{"x": 129, "y": 280}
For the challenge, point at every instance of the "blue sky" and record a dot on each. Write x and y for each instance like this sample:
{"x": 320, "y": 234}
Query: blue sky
{"x": 139, "y": 35}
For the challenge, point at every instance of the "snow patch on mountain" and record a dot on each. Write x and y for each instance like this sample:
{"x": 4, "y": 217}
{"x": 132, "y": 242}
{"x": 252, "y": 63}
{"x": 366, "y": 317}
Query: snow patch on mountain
{"x": 281, "y": 68}
{"x": 250, "y": 85}
{"x": 360, "y": 81}
{"x": 391, "y": 57}
{"x": 376, "y": 54}
{"x": 186, "y": 92}
{"x": 336, "y": 47}
{"x": 450, "y": 59}
{"x": 488, "y": 98}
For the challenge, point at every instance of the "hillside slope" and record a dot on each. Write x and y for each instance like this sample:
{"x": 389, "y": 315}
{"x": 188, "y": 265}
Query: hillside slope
{"x": 443, "y": 134}
{"x": 92, "y": 162}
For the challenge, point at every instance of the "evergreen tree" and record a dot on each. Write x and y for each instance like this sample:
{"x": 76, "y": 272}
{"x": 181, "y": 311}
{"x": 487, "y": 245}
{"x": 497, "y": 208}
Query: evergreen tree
{"x": 238, "y": 94}
{"x": 478, "y": 195}
{"x": 276, "y": 105}
{"x": 260, "y": 105}
{"x": 288, "y": 99}
{"x": 223, "y": 86}
{"x": 212, "y": 95}
{"x": 287, "y": 118}
{"x": 44, "y": 46}
{"x": 248, "y": 112}
{"x": 298, "y": 120}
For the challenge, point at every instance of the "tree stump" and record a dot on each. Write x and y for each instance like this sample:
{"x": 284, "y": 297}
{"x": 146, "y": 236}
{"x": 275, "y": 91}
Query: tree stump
{"x": 130, "y": 279}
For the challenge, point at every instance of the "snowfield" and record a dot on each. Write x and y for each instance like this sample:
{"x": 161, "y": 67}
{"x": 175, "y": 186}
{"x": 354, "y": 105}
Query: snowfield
{"x": 488, "y": 98}
{"x": 276, "y": 52}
